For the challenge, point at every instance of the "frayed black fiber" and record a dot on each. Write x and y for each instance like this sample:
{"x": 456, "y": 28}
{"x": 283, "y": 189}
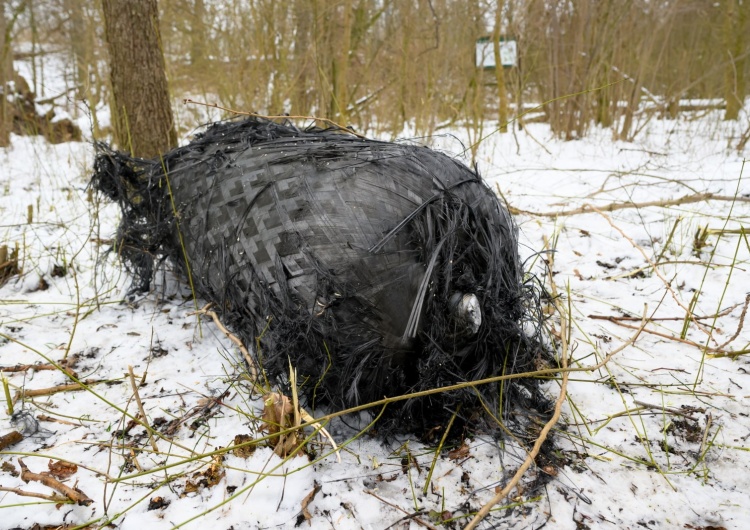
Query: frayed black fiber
{"x": 377, "y": 269}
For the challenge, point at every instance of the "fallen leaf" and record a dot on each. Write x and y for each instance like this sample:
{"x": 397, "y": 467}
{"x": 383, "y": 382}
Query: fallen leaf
{"x": 306, "y": 502}
{"x": 62, "y": 470}
{"x": 244, "y": 451}
{"x": 459, "y": 452}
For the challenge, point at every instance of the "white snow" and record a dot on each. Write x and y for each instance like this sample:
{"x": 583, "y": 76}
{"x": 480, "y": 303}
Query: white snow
{"x": 655, "y": 439}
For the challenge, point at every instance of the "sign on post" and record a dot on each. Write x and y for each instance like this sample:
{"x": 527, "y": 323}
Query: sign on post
{"x": 485, "y": 53}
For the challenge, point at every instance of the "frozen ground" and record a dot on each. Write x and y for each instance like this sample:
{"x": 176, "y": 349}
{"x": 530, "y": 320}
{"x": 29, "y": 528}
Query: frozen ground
{"x": 657, "y": 438}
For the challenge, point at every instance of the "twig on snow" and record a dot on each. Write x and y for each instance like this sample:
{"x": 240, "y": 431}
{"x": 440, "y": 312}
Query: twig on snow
{"x": 74, "y": 494}
{"x": 54, "y": 497}
{"x": 144, "y": 422}
{"x": 9, "y": 439}
{"x": 588, "y": 208}
{"x": 245, "y": 354}
{"x": 666, "y": 282}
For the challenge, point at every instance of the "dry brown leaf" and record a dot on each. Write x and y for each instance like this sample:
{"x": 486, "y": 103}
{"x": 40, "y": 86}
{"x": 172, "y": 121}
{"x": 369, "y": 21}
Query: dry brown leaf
{"x": 206, "y": 479}
{"x": 277, "y": 410}
{"x": 62, "y": 470}
{"x": 307, "y": 500}
{"x": 278, "y": 415}
{"x": 244, "y": 451}
{"x": 459, "y": 452}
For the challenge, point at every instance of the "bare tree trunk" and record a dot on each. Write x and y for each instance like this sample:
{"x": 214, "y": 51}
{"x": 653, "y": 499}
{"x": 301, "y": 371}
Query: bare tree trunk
{"x": 141, "y": 111}
{"x": 340, "y": 94}
{"x": 502, "y": 90}
{"x": 5, "y": 71}
{"x": 304, "y": 60}
{"x": 198, "y": 35}
{"x": 735, "y": 15}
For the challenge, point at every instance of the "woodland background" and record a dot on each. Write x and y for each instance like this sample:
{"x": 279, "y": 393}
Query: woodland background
{"x": 389, "y": 66}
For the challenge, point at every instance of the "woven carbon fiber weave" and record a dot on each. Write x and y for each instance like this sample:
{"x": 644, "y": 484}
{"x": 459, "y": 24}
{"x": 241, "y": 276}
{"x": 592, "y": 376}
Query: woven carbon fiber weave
{"x": 376, "y": 268}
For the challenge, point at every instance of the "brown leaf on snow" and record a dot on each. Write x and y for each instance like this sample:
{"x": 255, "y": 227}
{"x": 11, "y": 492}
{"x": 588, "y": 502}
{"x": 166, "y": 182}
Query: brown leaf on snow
{"x": 306, "y": 502}
{"x": 62, "y": 470}
{"x": 206, "y": 479}
{"x": 243, "y": 451}
{"x": 459, "y": 452}
{"x": 9, "y": 468}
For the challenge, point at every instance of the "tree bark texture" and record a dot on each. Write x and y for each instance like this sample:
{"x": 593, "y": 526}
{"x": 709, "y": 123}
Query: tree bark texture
{"x": 735, "y": 40}
{"x": 141, "y": 111}
{"x": 502, "y": 91}
{"x": 4, "y": 78}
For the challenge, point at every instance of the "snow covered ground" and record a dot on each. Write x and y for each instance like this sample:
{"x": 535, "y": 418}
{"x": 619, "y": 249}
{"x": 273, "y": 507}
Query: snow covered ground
{"x": 656, "y": 438}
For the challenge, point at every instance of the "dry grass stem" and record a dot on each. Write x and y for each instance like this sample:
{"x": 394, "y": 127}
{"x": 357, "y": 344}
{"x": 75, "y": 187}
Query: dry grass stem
{"x": 715, "y": 352}
{"x": 144, "y": 422}
{"x": 276, "y": 117}
{"x": 51, "y": 419}
{"x": 409, "y": 516}
{"x": 666, "y": 282}
{"x": 739, "y": 324}
{"x": 311, "y": 421}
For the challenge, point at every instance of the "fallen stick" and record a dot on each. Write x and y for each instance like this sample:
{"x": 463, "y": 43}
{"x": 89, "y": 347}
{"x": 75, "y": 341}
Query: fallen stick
{"x": 254, "y": 374}
{"x": 10, "y": 439}
{"x": 38, "y": 368}
{"x": 70, "y": 387}
{"x": 74, "y": 494}
{"x": 665, "y": 409}
{"x": 54, "y": 497}
{"x": 587, "y": 208}
{"x": 482, "y": 513}
{"x": 27, "y": 367}
{"x": 245, "y": 354}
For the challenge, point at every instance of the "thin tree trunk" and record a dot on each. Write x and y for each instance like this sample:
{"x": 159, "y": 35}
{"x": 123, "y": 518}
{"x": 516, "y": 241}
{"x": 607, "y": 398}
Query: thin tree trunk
{"x": 502, "y": 90}
{"x": 198, "y": 35}
{"x": 80, "y": 45}
{"x": 734, "y": 44}
{"x": 303, "y": 57}
{"x": 341, "y": 64}
{"x": 141, "y": 111}
{"x": 5, "y": 60}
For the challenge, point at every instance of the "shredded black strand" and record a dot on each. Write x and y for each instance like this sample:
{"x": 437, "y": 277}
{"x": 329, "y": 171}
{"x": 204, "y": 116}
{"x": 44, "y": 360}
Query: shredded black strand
{"x": 376, "y": 268}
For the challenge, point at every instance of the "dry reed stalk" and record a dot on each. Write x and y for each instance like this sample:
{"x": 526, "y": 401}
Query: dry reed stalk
{"x": 276, "y": 117}
{"x": 144, "y": 422}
